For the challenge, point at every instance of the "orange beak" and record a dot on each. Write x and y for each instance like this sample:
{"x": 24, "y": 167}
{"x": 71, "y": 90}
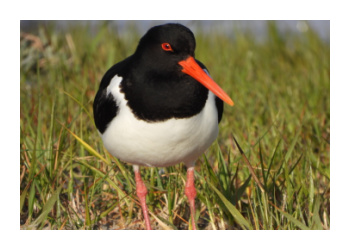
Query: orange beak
{"x": 190, "y": 67}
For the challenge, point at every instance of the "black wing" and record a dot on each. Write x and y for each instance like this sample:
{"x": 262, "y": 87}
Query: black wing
{"x": 105, "y": 109}
{"x": 105, "y": 106}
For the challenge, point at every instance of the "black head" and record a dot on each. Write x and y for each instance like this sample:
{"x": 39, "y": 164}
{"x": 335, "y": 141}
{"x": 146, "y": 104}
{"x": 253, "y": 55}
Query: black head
{"x": 154, "y": 84}
{"x": 163, "y": 46}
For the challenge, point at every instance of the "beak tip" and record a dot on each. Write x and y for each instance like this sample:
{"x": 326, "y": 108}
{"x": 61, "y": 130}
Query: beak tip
{"x": 228, "y": 101}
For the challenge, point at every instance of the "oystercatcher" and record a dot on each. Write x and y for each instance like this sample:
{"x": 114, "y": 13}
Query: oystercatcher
{"x": 159, "y": 107}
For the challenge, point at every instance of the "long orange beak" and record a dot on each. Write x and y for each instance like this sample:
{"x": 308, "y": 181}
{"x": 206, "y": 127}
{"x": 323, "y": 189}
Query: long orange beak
{"x": 190, "y": 67}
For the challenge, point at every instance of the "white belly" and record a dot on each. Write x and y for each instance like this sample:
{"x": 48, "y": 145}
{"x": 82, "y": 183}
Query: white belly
{"x": 159, "y": 144}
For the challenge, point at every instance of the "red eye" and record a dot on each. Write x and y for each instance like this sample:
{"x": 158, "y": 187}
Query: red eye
{"x": 166, "y": 47}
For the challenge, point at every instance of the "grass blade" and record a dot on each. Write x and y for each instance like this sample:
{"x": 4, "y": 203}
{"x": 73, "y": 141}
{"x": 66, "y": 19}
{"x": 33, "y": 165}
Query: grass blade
{"x": 79, "y": 103}
{"x": 239, "y": 192}
{"x": 23, "y": 198}
{"x": 47, "y": 207}
{"x": 294, "y": 221}
{"x": 163, "y": 223}
{"x": 291, "y": 147}
{"x": 87, "y": 146}
{"x": 233, "y": 210}
{"x": 251, "y": 170}
{"x": 100, "y": 173}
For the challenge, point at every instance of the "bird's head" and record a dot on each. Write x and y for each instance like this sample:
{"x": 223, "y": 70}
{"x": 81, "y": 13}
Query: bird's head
{"x": 170, "y": 48}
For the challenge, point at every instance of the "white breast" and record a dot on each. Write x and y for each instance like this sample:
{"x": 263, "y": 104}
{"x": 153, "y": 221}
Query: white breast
{"x": 159, "y": 144}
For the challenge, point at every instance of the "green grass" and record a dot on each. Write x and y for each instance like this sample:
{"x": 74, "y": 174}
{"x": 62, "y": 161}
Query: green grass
{"x": 281, "y": 120}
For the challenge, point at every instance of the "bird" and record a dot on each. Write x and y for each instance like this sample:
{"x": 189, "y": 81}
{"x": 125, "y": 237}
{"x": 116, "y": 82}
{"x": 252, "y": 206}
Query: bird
{"x": 160, "y": 107}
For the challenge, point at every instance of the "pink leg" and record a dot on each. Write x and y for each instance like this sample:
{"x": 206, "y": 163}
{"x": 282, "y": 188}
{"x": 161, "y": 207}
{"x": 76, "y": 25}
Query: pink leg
{"x": 190, "y": 192}
{"x": 141, "y": 192}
